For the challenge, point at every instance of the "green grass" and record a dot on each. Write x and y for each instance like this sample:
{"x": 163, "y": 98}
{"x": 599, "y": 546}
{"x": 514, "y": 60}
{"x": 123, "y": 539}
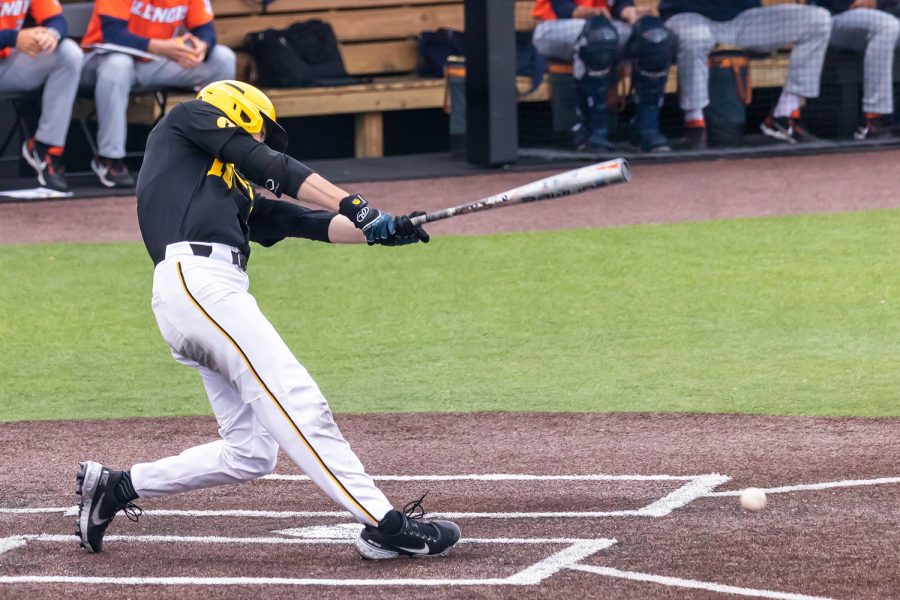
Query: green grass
{"x": 790, "y": 315}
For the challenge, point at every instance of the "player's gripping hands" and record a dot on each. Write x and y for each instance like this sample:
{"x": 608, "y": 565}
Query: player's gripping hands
{"x": 379, "y": 226}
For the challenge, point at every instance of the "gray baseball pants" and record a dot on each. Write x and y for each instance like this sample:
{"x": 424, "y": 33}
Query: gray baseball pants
{"x": 113, "y": 76}
{"x": 763, "y": 29}
{"x": 874, "y": 33}
{"x": 58, "y": 72}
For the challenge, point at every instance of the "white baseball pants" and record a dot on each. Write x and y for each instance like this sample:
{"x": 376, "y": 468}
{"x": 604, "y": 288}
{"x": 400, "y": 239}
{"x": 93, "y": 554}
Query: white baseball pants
{"x": 261, "y": 395}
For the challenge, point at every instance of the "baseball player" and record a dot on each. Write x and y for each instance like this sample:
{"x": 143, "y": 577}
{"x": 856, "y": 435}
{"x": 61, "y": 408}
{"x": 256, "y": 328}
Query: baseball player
{"x": 701, "y": 24}
{"x": 180, "y": 32}
{"x": 595, "y": 35}
{"x": 197, "y": 213}
{"x": 35, "y": 57}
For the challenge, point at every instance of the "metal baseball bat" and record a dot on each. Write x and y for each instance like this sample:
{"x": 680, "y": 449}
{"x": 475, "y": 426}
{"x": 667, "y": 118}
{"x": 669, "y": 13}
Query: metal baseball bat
{"x": 555, "y": 186}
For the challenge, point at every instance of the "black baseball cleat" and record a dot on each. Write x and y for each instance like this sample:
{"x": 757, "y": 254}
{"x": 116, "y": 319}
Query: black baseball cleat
{"x": 786, "y": 129}
{"x": 407, "y": 534}
{"x": 98, "y": 504}
{"x": 112, "y": 172}
{"x": 47, "y": 164}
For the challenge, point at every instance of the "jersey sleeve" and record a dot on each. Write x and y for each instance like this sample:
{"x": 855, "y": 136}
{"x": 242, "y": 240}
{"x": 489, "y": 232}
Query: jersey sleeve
{"x": 205, "y": 126}
{"x": 273, "y": 220}
{"x": 118, "y": 9}
{"x": 199, "y": 13}
{"x": 42, "y": 10}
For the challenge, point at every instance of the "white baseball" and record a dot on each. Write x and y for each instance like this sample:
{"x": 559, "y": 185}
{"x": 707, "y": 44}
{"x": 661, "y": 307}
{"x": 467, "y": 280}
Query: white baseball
{"x": 753, "y": 499}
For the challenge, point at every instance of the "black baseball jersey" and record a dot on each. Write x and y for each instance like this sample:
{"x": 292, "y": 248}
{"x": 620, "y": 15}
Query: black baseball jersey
{"x": 189, "y": 189}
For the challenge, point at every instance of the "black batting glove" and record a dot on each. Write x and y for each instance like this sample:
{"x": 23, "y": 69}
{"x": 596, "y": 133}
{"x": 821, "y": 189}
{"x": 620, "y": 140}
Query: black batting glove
{"x": 378, "y": 226}
{"x": 407, "y": 233}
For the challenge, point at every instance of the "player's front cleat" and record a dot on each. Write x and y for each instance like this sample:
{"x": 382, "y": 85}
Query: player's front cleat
{"x": 112, "y": 172}
{"x": 98, "y": 504}
{"x": 407, "y": 534}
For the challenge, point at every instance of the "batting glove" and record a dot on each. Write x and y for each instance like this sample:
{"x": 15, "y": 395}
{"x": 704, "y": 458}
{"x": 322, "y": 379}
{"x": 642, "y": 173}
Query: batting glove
{"x": 378, "y": 226}
{"x": 407, "y": 233}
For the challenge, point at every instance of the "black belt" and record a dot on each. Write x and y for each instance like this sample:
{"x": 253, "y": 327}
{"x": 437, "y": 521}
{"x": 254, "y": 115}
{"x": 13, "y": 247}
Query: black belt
{"x": 238, "y": 259}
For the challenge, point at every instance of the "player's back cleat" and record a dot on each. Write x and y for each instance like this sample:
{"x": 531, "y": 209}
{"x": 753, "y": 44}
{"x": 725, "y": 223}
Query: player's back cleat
{"x": 786, "y": 129}
{"x": 873, "y": 128}
{"x": 98, "y": 504}
{"x": 407, "y": 534}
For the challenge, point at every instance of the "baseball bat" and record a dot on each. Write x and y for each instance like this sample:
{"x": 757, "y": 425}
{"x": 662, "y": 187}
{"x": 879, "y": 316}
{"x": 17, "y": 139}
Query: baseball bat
{"x": 555, "y": 186}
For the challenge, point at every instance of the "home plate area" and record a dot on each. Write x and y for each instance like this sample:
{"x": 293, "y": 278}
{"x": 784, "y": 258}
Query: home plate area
{"x": 564, "y": 534}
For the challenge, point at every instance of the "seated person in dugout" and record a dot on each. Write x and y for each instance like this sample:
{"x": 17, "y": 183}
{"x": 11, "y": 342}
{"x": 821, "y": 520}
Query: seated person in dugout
{"x": 700, "y": 25}
{"x": 595, "y": 35}
{"x": 865, "y": 26}
{"x": 180, "y": 32}
{"x": 32, "y": 57}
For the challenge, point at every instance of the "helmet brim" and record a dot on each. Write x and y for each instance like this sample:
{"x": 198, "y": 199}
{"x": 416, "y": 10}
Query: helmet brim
{"x": 276, "y": 136}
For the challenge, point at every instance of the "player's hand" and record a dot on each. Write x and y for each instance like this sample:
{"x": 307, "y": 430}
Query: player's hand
{"x": 864, "y": 4}
{"x": 199, "y": 46}
{"x": 407, "y": 233}
{"x": 175, "y": 50}
{"x": 28, "y": 41}
{"x": 378, "y": 226}
{"x": 47, "y": 38}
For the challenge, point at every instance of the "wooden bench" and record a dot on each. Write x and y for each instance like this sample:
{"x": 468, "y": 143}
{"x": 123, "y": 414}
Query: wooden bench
{"x": 377, "y": 39}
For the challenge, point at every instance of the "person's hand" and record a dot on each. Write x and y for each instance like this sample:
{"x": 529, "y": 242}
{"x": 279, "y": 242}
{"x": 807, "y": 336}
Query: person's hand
{"x": 175, "y": 50}
{"x": 629, "y": 15}
{"x": 407, "y": 233}
{"x": 47, "y": 38}
{"x": 864, "y": 4}
{"x": 378, "y": 226}
{"x": 28, "y": 40}
{"x": 586, "y": 12}
{"x": 200, "y": 47}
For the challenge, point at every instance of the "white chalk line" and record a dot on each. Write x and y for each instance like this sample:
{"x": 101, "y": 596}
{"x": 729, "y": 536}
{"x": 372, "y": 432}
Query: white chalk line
{"x": 692, "y": 584}
{"x": 502, "y": 477}
{"x": 696, "y": 488}
{"x": 806, "y": 487}
{"x": 531, "y": 575}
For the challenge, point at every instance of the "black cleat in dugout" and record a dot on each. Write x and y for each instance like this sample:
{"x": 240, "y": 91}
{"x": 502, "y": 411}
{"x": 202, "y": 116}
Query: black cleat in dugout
{"x": 407, "y": 533}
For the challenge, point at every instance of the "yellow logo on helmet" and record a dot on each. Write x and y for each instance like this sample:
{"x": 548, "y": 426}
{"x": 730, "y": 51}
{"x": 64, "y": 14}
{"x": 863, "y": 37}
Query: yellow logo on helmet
{"x": 223, "y": 123}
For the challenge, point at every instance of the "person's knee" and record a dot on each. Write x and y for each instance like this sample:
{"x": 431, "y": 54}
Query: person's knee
{"x": 887, "y": 25}
{"x": 116, "y": 71}
{"x": 692, "y": 37}
{"x": 817, "y": 20}
{"x": 597, "y": 46}
{"x": 69, "y": 55}
{"x": 223, "y": 62}
{"x": 251, "y": 463}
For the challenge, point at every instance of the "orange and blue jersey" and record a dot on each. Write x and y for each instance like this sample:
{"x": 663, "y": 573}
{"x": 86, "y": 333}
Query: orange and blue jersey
{"x": 46, "y": 13}
{"x": 134, "y": 23}
{"x": 548, "y": 10}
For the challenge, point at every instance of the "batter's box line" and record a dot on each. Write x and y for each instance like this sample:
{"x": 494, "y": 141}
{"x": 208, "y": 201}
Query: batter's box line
{"x": 579, "y": 550}
{"x": 694, "y": 487}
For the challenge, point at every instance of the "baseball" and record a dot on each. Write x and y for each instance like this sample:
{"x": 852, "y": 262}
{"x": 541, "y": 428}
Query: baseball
{"x": 753, "y": 499}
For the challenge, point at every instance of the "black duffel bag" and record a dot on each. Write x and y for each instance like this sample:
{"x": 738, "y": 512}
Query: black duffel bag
{"x": 305, "y": 54}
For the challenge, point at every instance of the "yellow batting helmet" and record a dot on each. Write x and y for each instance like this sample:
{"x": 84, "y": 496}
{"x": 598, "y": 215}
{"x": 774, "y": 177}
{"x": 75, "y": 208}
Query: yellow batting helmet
{"x": 248, "y": 108}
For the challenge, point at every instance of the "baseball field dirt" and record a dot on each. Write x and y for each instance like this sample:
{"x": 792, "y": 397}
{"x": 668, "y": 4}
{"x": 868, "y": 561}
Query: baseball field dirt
{"x": 551, "y": 505}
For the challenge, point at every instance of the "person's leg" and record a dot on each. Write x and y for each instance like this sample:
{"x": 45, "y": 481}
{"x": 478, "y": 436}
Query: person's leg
{"x": 59, "y": 93}
{"x": 555, "y": 40}
{"x": 875, "y": 33}
{"x": 113, "y": 75}
{"x": 166, "y": 73}
{"x": 246, "y": 450}
{"x": 595, "y": 54}
{"x": 695, "y": 40}
{"x": 207, "y": 315}
{"x": 807, "y": 28}
{"x": 651, "y": 49}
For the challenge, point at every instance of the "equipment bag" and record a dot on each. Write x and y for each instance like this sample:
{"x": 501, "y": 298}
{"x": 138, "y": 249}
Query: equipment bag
{"x": 434, "y": 49}
{"x": 305, "y": 54}
{"x": 729, "y": 94}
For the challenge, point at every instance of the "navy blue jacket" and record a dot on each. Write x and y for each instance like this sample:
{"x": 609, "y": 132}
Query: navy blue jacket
{"x": 717, "y": 10}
